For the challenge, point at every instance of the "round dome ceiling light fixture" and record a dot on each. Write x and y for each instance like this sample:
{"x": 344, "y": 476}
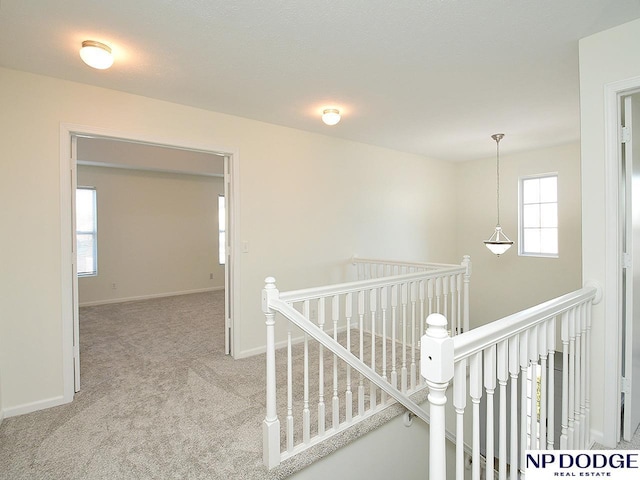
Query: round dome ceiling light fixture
{"x": 331, "y": 116}
{"x": 96, "y": 54}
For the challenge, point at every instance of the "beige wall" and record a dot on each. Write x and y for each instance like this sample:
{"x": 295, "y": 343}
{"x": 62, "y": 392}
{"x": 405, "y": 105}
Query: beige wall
{"x": 605, "y": 57}
{"x": 157, "y": 234}
{"x": 307, "y": 203}
{"x": 509, "y": 283}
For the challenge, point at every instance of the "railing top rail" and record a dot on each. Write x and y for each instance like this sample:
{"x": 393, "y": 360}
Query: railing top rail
{"x": 479, "y": 338}
{"x": 402, "y": 263}
{"x": 350, "y": 287}
{"x": 319, "y": 335}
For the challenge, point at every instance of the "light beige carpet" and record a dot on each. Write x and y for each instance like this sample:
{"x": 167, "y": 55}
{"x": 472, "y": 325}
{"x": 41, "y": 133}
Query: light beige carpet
{"x": 160, "y": 400}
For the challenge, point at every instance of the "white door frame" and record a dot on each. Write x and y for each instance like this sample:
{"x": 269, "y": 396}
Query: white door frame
{"x": 613, "y": 256}
{"x": 68, "y": 180}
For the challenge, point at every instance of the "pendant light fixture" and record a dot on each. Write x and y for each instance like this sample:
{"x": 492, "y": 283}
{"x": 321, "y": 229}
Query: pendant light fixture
{"x": 498, "y": 243}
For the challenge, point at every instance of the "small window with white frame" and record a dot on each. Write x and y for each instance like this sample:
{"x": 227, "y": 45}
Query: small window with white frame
{"x": 86, "y": 232}
{"x": 539, "y": 215}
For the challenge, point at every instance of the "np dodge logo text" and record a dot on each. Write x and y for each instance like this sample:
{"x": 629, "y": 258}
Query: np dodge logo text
{"x": 583, "y": 460}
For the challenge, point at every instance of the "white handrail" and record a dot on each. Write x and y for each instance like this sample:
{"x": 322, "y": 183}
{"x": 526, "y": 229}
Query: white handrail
{"x": 404, "y": 263}
{"x": 351, "y": 287}
{"x": 492, "y": 333}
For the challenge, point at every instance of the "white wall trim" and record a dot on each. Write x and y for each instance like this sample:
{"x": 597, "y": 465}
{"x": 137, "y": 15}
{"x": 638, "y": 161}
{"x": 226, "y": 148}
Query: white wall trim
{"x": 67, "y": 168}
{"x": 149, "y": 297}
{"x": 612, "y": 311}
{"x": 34, "y": 406}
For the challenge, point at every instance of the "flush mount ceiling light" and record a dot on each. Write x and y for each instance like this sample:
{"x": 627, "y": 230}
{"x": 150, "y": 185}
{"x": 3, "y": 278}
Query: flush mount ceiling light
{"x": 96, "y": 54}
{"x": 498, "y": 243}
{"x": 331, "y": 116}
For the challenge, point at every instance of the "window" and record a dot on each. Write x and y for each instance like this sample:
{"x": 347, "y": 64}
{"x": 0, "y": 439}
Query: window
{"x": 86, "y": 231}
{"x": 539, "y": 216}
{"x": 222, "y": 235}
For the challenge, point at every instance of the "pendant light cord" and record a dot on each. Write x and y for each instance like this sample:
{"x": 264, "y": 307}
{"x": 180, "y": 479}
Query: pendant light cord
{"x": 498, "y": 178}
{"x": 497, "y": 137}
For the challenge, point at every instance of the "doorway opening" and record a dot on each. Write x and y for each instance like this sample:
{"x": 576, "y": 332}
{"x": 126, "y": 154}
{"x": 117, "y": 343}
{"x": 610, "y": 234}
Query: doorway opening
{"x": 151, "y": 155}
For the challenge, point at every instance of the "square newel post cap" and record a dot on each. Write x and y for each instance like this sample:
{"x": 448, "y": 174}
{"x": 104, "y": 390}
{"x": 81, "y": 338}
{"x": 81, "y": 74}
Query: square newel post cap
{"x": 436, "y": 351}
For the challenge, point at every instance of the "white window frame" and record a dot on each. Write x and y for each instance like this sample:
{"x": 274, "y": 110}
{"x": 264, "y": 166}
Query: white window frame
{"x": 93, "y": 233}
{"x": 521, "y": 243}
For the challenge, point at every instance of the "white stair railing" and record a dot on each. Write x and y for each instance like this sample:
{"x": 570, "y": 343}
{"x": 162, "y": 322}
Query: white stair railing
{"x": 351, "y": 350}
{"x": 518, "y": 348}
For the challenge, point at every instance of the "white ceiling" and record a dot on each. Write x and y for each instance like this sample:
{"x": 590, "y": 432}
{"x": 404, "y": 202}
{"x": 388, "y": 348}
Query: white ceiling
{"x": 434, "y": 77}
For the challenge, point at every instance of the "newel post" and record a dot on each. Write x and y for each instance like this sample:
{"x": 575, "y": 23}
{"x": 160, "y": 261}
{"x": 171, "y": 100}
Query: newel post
{"x": 436, "y": 366}
{"x": 271, "y": 424}
{"x": 466, "y": 263}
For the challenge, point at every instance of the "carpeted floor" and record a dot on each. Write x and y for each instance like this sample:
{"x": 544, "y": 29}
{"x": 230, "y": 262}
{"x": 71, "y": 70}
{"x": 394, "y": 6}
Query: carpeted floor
{"x": 159, "y": 400}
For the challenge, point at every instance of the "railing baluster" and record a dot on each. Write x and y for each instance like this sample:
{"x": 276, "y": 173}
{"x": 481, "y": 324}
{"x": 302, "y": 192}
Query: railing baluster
{"x": 454, "y": 305}
{"x": 533, "y": 385}
{"x": 348, "y": 396}
{"x": 542, "y": 350}
{"x": 321, "y": 406}
{"x": 490, "y": 386}
{"x": 459, "y": 326}
{"x": 578, "y": 375}
{"x": 459, "y": 403}
{"x": 503, "y": 376}
{"x": 421, "y": 318}
{"x": 394, "y": 332}
{"x": 383, "y": 307}
{"x": 413, "y": 292}
{"x": 524, "y": 378}
{"x": 551, "y": 344}
{"x": 587, "y": 356}
{"x": 403, "y": 369}
{"x": 583, "y": 375}
{"x": 306, "y": 411}
{"x": 475, "y": 390}
{"x": 361, "y": 351}
{"x": 289, "y": 392}
{"x": 438, "y": 294}
{"x": 572, "y": 379}
{"x": 430, "y": 289}
{"x": 564, "y": 436}
{"x": 373, "y": 305}
{"x": 335, "y": 401}
{"x": 445, "y": 296}
{"x": 466, "y": 262}
{"x": 514, "y": 368}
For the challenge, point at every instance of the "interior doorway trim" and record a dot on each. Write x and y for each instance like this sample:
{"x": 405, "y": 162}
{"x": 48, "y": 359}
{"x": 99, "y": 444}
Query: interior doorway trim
{"x": 68, "y": 178}
{"x": 613, "y": 256}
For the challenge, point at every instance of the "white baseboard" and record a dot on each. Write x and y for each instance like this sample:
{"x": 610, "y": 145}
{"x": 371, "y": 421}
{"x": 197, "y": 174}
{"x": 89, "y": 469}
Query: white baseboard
{"x": 147, "y": 297}
{"x": 34, "y": 406}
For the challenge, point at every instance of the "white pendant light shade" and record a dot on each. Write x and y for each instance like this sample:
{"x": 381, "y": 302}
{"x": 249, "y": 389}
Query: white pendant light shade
{"x": 96, "y": 54}
{"x": 331, "y": 116}
{"x": 498, "y": 243}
